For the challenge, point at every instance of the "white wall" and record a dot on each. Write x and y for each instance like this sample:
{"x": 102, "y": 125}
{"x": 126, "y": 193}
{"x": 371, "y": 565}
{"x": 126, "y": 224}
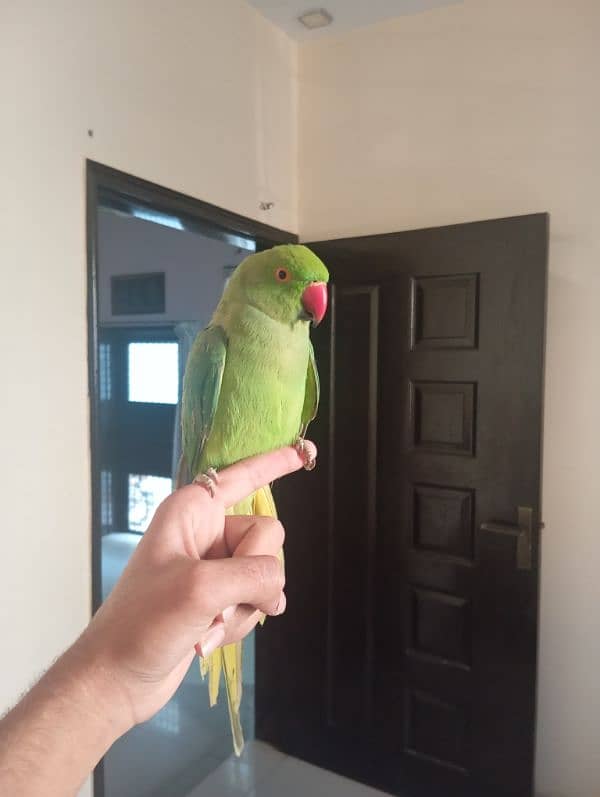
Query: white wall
{"x": 196, "y": 95}
{"x": 484, "y": 109}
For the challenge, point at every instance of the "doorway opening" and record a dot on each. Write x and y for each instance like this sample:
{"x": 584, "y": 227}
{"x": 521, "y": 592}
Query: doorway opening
{"x": 157, "y": 264}
{"x": 410, "y": 641}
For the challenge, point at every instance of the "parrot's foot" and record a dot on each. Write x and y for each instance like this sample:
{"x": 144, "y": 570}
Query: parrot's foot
{"x": 307, "y": 452}
{"x": 208, "y": 480}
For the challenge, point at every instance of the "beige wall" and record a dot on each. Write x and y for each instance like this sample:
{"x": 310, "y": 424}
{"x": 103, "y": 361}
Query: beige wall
{"x": 198, "y": 96}
{"x": 479, "y": 110}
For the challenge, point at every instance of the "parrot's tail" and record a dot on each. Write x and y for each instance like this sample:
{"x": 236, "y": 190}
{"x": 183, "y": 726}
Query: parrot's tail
{"x": 228, "y": 659}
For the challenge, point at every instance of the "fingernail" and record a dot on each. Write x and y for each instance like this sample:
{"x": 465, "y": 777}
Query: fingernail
{"x": 311, "y": 449}
{"x": 228, "y": 613}
{"x": 211, "y": 641}
{"x": 281, "y": 605}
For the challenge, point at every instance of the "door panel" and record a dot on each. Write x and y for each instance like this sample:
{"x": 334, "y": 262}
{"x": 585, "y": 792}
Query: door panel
{"x": 352, "y": 521}
{"x": 407, "y": 656}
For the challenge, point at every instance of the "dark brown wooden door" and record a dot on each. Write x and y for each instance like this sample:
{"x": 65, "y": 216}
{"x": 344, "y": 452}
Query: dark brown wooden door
{"x": 407, "y": 655}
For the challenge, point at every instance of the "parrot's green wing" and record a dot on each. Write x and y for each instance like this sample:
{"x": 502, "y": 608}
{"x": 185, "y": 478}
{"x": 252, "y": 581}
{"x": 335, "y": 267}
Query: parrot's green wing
{"x": 311, "y": 392}
{"x": 201, "y": 389}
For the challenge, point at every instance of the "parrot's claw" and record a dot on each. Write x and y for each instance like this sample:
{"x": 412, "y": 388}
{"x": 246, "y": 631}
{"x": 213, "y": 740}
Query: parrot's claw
{"x": 208, "y": 480}
{"x": 306, "y": 451}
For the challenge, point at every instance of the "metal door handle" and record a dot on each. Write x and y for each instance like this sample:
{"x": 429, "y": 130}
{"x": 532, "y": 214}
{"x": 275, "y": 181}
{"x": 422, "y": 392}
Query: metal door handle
{"x": 522, "y": 530}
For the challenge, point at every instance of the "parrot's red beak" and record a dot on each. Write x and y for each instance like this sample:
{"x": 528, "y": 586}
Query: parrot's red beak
{"x": 314, "y": 301}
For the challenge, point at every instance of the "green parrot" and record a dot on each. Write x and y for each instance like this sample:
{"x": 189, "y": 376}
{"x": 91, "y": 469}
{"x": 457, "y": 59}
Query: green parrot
{"x": 250, "y": 386}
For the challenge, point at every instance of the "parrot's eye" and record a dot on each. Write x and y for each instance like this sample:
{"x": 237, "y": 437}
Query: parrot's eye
{"x": 282, "y": 275}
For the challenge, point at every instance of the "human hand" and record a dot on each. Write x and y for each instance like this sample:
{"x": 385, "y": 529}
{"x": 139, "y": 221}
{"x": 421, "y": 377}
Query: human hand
{"x": 198, "y": 579}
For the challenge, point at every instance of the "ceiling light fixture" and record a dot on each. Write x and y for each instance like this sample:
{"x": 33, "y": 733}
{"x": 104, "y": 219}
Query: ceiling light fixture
{"x": 316, "y": 19}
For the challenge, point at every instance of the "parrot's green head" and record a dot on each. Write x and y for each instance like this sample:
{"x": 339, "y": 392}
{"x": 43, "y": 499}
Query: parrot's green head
{"x": 287, "y": 283}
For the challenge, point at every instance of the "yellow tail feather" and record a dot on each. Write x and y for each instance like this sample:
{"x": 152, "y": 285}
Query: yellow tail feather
{"x": 228, "y": 659}
{"x": 214, "y": 676}
{"x": 263, "y": 503}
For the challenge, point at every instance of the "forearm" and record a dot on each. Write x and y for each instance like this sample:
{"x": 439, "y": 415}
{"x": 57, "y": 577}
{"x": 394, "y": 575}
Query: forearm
{"x": 54, "y": 737}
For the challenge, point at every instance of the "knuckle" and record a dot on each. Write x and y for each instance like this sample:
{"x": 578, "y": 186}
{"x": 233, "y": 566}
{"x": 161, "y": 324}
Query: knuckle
{"x": 278, "y": 531}
{"x": 280, "y": 580}
{"x": 266, "y": 571}
{"x": 274, "y": 529}
{"x": 163, "y": 509}
{"x": 169, "y": 510}
{"x": 196, "y": 584}
{"x": 278, "y": 575}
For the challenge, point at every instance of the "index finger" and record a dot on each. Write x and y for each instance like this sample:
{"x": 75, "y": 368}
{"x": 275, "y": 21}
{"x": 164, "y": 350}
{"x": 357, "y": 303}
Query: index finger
{"x": 245, "y": 477}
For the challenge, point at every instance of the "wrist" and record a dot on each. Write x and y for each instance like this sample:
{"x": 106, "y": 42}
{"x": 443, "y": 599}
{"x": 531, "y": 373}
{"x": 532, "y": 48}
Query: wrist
{"x": 97, "y": 691}
{"x": 59, "y": 731}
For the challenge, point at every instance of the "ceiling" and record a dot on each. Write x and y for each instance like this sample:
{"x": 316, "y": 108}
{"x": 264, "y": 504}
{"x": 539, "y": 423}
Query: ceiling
{"x": 347, "y": 14}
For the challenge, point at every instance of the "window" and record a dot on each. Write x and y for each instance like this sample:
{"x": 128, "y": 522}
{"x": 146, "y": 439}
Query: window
{"x": 106, "y": 500}
{"x": 153, "y": 370}
{"x": 145, "y": 494}
{"x": 104, "y": 366}
{"x": 139, "y": 385}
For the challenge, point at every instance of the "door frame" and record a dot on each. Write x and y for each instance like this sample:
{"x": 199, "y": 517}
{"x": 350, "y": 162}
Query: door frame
{"x": 108, "y": 187}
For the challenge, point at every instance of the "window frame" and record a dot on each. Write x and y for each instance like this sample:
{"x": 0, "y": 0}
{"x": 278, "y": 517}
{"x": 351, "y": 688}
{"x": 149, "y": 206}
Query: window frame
{"x": 130, "y": 427}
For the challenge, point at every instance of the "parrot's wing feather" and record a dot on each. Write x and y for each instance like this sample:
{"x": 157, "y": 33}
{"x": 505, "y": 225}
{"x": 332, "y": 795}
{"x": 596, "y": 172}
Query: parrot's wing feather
{"x": 201, "y": 389}
{"x": 311, "y": 391}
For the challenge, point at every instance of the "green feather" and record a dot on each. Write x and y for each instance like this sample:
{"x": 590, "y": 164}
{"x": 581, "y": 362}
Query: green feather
{"x": 201, "y": 391}
{"x": 312, "y": 391}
